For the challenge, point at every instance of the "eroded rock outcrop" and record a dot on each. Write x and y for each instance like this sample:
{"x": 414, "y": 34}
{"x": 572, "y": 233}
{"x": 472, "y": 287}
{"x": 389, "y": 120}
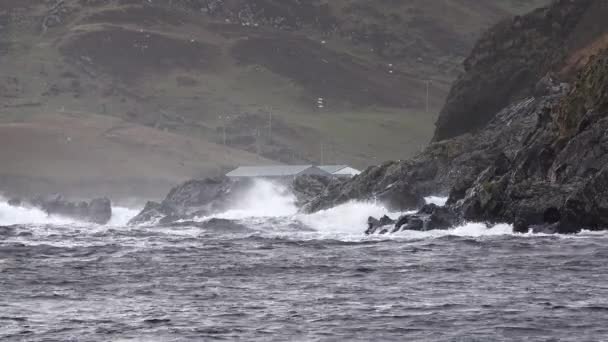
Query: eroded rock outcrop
{"x": 558, "y": 178}
{"x": 429, "y": 217}
{"x": 509, "y": 59}
{"x": 192, "y": 199}
{"x": 199, "y": 198}
{"x": 540, "y": 162}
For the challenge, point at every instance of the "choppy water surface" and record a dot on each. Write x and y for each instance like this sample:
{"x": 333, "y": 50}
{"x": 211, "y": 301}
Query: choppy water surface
{"x": 296, "y": 277}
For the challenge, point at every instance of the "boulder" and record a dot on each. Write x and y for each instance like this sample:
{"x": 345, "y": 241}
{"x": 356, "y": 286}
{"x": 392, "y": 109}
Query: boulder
{"x": 381, "y": 225}
{"x": 429, "y": 217}
{"x": 98, "y": 210}
{"x": 194, "y": 198}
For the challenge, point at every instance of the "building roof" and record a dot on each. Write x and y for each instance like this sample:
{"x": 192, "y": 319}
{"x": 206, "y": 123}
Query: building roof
{"x": 332, "y": 168}
{"x": 269, "y": 171}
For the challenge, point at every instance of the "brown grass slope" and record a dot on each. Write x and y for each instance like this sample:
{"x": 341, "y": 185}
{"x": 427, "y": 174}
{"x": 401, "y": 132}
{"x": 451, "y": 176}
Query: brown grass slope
{"x": 254, "y": 69}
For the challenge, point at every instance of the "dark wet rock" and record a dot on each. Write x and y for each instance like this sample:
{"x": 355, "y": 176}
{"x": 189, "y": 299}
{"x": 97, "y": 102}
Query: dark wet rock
{"x": 198, "y": 198}
{"x": 98, "y": 210}
{"x": 558, "y": 179}
{"x": 153, "y": 213}
{"x": 378, "y": 225}
{"x": 192, "y": 199}
{"x": 509, "y": 60}
{"x": 429, "y": 217}
{"x": 386, "y": 183}
{"x": 308, "y": 187}
{"x": 541, "y": 161}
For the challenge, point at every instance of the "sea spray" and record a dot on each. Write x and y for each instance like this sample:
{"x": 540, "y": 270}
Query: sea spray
{"x": 349, "y": 218}
{"x": 264, "y": 199}
{"x": 12, "y": 215}
{"x": 437, "y": 200}
{"x": 121, "y": 216}
{"x": 23, "y": 214}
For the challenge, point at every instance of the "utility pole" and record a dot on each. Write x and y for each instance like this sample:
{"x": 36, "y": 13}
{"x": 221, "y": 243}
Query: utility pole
{"x": 428, "y": 83}
{"x": 223, "y": 120}
{"x": 270, "y": 124}
{"x": 322, "y": 153}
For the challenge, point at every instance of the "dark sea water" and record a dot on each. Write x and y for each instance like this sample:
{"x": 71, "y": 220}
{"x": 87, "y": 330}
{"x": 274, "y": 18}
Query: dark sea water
{"x": 297, "y": 278}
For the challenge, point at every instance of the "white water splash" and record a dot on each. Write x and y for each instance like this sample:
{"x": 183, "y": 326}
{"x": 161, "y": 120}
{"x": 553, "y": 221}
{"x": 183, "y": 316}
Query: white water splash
{"x": 268, "y": 200}
{"x": 437, "y": 200}
{"x": 11, "y": 215}
{"x": 470, "y": 229}
{"x": 264, "y": 199}
{"x": 349, "y": 218}
{"x": 121, "y": 216}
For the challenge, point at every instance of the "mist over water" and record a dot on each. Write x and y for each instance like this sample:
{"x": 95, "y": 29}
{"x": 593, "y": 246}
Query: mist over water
{"x": 287, "y": 275}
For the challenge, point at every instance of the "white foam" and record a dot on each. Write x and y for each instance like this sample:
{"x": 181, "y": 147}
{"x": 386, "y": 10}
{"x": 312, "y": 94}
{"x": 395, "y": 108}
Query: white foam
{"x": 437, "y": 200}
{"x": 121, "y": 216}
{"x": 471, "y": 229}
{"x": 349, "y": 218}
{"x": 264, "y": 199}
{"x": 10, "y": 215}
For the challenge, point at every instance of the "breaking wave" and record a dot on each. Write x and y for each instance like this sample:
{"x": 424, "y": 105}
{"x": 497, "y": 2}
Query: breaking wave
{"x": 271, "y": 209}
{"x": 13, "y": 215}
{"x": 268, "y": 205}
{"x": 263, "y": 199}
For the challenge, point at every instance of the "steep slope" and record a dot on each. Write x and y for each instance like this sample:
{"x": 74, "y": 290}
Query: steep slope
{"x": 195, "y": 66}
{"x": 509, "y": 59}
{"x": 539, "y": 162}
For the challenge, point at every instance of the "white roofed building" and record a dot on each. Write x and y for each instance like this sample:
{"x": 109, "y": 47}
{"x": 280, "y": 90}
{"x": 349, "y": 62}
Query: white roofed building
{"x": 340, "y": 170}
{"x": 277, "y": 171}
{"x": 292, "y": 171}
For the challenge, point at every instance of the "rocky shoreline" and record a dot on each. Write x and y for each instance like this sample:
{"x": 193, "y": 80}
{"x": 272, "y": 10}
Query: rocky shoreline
{"x": 98, "y": 210}
{"x": 521, "y": 140}
{"x": 541, "y": 163}
{"x": 529, "y": 148}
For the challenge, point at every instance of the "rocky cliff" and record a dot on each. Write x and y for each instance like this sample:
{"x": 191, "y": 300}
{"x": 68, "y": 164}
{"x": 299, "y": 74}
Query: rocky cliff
{"x": 541, "y": 161}
{"x": 507, "y": 62}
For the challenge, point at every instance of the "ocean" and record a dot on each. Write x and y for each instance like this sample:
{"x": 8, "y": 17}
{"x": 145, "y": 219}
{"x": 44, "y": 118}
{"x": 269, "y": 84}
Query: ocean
{"x": 261, "y": 271}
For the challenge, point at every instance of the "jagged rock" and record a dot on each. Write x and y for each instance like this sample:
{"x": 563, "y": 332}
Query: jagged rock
{"x": 374, "y": 225}
{"x": 557, "y": 180}
{"x": 308, "y": 187}
{"x": 386, "y": 183}
{"x": 151, "y": 213}
{"x": 191, "y": 199}
{"x": 507, "y": 62}
{"x": 429, "y": 217}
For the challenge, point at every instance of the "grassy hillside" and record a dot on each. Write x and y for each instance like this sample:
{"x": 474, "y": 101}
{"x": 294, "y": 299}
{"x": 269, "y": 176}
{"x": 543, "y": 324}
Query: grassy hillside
{"x": 285, "y": 79}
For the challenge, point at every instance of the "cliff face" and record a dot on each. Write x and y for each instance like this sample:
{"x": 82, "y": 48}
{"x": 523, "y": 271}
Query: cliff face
{"x": 538, "y": 157}
{"x": 559, "y": 175}
{"x": 508, "y": 60}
